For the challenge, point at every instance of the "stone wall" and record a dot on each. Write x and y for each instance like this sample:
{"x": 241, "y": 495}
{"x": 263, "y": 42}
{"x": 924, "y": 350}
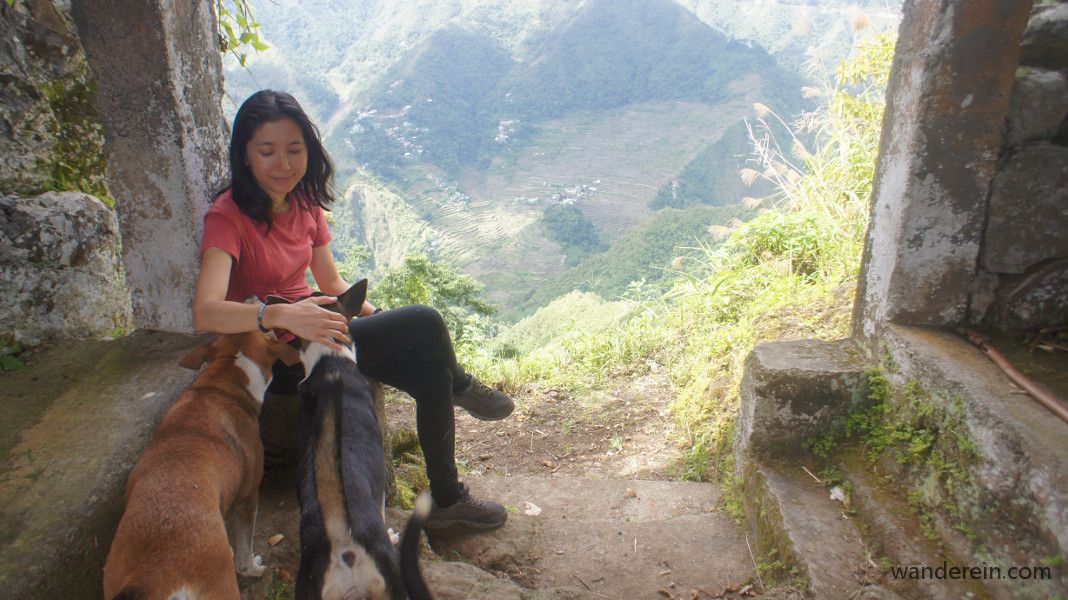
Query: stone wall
{"x": 1023, "y": 270}
{"x": 59, "y": 266}
{"x": 158, "y": 88}
{"x": 60, "y": 269}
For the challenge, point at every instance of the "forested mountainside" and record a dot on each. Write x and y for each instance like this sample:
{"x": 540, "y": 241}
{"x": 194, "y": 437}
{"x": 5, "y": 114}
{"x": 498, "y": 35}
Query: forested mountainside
{"x": 520, "y": 139}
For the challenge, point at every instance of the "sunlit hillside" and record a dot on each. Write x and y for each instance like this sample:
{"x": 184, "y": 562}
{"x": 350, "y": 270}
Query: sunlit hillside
{"x": 788, "y": 273}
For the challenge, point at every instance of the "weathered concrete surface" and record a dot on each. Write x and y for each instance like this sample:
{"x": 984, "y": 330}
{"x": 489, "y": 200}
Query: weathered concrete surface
{"x": 158, "y": 90}
{"x": 1016, "y": 496}
{"x": 1028, "y": 219}
{"x": 949, "y": 89}
{"x": 1035, "y": 300}
{"x": 792, "y": 520}
{"x": 1038, "y": 106}
{"x": 1045, "y": 44}
{"x": 792, "y": 391}
{"x": 59, "y": 268}
{"x": 594, "y": 532}
{"x": 73, "y": 425}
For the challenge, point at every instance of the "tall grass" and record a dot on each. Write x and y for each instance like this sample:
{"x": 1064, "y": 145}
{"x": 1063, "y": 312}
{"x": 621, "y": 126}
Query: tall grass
{"x": 788, "y": 273}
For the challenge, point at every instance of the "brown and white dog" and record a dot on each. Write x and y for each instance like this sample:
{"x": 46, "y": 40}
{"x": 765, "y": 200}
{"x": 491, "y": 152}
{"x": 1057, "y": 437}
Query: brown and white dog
{"x": 205, "y": 462}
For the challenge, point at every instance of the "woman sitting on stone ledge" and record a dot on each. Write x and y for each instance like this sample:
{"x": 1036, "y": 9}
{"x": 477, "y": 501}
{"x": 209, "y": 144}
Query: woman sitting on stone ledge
{"x": 261, "y": 235}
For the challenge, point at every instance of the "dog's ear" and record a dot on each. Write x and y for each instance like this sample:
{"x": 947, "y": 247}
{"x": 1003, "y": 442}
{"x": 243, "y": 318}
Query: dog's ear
{"x": 198, "y": 356}
{"x": 352, "y": 300}
{"x": 277, "y": 300}
{"x": 285, "y": 353}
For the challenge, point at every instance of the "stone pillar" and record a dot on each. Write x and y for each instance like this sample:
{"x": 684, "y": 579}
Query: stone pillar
{"x": 946, "y": 104}
{"x": 158, "y": 80}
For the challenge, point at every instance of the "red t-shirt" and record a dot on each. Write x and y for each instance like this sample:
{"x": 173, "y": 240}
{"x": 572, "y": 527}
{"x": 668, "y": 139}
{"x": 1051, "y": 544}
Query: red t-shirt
{"x": 271, "y": 264}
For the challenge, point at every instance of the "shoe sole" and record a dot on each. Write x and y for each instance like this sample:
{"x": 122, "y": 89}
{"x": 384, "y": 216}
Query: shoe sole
{"x": 483, "y": 417}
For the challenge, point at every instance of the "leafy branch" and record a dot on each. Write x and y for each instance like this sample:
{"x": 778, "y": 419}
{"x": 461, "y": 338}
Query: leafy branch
{"x": 237, "y": 28}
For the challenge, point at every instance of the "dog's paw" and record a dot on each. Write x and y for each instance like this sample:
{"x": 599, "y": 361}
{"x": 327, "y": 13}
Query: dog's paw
{"x": 394, "y": 537}
{"x": 256, "y": 569}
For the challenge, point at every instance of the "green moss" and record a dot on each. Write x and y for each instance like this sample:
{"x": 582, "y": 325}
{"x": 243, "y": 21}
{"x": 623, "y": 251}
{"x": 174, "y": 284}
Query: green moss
{"x": 280, "y": 591}
{"x": 9, "y": 356}
{"x": 79, "y": 162}
{"x": 927, "y": 437}
{"x": 409, "y": 469}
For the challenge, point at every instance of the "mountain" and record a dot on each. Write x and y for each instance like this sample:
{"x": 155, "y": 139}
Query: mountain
{"x": 516, "y": 138}
{"x": 618, "y": 52}
{"x": 430, "y": 106}
{"x": 457, "y": 99}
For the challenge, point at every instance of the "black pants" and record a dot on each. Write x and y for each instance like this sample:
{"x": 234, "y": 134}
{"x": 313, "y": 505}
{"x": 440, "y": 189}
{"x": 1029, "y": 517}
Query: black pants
{"x": 409, "y": 348}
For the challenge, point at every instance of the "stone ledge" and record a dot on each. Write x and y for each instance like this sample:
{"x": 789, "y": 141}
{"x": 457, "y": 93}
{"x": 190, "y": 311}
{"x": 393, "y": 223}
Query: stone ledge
{"x": 1017, "y": 499}
{"x": 75, "y": 423}
{"x": 792, "y": 391}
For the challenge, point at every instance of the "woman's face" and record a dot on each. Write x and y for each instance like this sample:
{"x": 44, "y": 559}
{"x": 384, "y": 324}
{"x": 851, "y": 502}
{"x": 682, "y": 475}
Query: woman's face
{"x": 278, "y": 158}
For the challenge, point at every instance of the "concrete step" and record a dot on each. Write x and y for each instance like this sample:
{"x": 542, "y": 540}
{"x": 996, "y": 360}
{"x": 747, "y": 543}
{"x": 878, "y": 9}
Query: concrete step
{"x": 893, "y": 535}
{"x": 983, "y": 465}
{"x": 612, "y": 538}
{"x": 73, "y": 425}
{"x": 804, "y": 534}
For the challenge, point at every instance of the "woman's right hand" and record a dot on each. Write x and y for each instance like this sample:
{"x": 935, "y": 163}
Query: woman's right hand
{"x": 308, "y": 320}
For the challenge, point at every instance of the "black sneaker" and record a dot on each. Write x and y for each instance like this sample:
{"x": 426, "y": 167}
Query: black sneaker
{"x": 483, "y": 402}
{"x": 468, "y": 512}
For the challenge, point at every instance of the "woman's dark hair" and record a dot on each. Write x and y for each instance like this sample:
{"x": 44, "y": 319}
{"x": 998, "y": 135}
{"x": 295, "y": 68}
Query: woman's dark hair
{"x": 317, "y": 185}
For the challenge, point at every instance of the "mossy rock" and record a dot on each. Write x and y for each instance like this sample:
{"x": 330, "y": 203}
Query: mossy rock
{"x": 409, "y": 469}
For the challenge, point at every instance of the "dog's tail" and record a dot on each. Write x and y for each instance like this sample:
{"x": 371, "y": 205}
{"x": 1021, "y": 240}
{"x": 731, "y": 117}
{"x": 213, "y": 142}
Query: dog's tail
{"x": 409, "y": 550}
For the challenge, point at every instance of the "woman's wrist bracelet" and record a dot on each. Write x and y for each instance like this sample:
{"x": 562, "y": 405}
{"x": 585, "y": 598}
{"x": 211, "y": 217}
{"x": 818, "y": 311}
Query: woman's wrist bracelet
{"x": 259, "y": 318}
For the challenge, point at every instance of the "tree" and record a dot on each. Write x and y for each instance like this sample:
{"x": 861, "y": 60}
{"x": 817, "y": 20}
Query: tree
{"x": 456, "y": 295}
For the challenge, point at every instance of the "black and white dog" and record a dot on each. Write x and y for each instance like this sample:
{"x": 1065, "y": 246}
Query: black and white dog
{"x": 345, "y": 549}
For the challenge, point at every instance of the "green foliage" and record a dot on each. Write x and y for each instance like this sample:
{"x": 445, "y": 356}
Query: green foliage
{"x": 695, "y": 462}
{"x": 353, "y": 262}
{"x": 571, "y": 315}
{"x": 791, "y": 236}
{"x": 711, "y": 177}
{"x": 458, "y": 296}
{"x": 237, "y": 28}
{"x": 283, "y": 590}
{"x": 573, "y": 230}
{"x": 9, "y": 359}
{"x": 643, "y": 254}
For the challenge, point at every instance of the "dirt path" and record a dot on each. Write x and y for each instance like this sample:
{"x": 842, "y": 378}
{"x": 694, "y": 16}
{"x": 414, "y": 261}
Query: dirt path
{"x": 594, "y": 513}
{"x": 627, "y": 433}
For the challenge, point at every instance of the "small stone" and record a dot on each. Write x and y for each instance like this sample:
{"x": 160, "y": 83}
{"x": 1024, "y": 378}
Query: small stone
{"x": 275, "y": 539}
{"x": 631, "y": 493}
